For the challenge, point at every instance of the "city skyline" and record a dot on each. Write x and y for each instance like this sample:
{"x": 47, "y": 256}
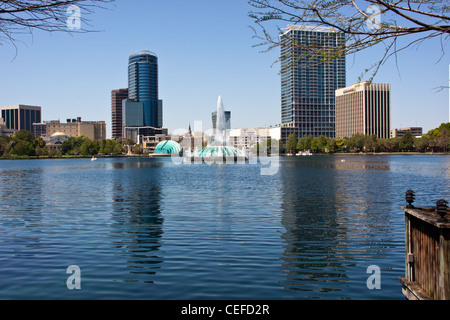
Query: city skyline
{"x": 210, "y": 55}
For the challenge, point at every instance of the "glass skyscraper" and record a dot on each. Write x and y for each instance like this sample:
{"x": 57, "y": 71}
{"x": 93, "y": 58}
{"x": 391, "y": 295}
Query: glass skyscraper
{"x": 308, "y": 84}
{"x": 143, "y": 88}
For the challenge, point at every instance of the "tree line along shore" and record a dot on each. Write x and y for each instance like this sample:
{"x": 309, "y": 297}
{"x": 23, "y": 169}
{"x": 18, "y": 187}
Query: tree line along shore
{"x": 24, "y": 145}
{"x": 435, "y": 141}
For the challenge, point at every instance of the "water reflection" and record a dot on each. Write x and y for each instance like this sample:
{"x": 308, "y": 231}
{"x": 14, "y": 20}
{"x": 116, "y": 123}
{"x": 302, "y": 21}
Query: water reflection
{"x": 138, "y": 224}
{"x": 336, "y": 222}
{"x": 310, "y": 231}
{"x": 309, "y": 217}
{"x": 20, "y": 209}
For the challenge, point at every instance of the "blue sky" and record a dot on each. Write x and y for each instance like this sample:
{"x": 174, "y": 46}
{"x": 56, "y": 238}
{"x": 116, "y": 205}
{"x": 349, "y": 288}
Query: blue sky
{"x": 205, "y": 49}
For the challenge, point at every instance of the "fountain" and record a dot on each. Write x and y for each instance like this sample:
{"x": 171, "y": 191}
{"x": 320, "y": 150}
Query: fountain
{"x": 219, "y": 149}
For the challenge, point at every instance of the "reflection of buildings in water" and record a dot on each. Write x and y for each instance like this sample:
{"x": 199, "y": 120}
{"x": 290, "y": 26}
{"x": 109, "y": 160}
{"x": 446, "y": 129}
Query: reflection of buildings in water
{"x": 138, "y": 226}
{"x": 21, "y": 209}
{"x": 335, "y": 219}
{"x": 361, "y": 163}
{"x": 21, "y": 194}
{"x": 371, "y": 230}
{"x": 312, "y": 261}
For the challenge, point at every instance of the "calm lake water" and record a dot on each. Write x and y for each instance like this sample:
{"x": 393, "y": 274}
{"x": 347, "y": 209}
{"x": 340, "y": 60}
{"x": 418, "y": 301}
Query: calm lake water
{"x": 151, "y": 229}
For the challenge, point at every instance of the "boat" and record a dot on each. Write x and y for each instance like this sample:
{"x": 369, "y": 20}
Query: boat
{"x": 93, "y": 159}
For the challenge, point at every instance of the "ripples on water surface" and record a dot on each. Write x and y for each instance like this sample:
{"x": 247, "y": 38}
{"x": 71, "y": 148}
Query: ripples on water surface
{"x": 150, "y": 229}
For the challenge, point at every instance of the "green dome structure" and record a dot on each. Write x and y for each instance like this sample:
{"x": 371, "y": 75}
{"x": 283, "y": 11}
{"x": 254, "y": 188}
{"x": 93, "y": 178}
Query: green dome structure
{"x": 218, "y": 151}
{"x": 168, "y": 147}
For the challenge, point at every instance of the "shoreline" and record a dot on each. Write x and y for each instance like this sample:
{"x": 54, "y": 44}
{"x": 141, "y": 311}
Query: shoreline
{"x": 153, "y": 156}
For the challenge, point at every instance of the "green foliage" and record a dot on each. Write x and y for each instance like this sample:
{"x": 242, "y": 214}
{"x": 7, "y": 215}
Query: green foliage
{"x": 437, "y": 140}
{"x": 24, "y": 135}
{"x": 437, "y": 132}
{"x": 23, "y": 148}
{"x": 304, "y": 143}
{"x": 407, "y": 142}
{"x": 291, "y": 143}
{"x": 86, "y": 147}
{"x": 318, "y": 144}
{"x": 24, "y": 145}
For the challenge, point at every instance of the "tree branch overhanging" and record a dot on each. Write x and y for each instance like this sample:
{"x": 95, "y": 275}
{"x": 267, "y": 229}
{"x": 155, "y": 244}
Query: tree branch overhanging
{"x": 363, "y": 28}
{"x": 24, "y": 16}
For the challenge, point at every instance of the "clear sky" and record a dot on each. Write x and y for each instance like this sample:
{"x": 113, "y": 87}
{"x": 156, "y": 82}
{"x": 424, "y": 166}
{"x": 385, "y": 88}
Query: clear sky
{"x": 205, "y": 49}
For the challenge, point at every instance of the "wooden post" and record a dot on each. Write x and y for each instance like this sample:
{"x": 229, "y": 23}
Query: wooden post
{"x": 427, "y": 255}
{"x": 444, "y": 281}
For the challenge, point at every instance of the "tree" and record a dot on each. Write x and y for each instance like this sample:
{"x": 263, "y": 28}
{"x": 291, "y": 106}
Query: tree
{"x": 24, "y": 148}
{"x": 444, "y": 139}
{"x": 356, "y": 142}
{"x": 406, "y": 142}
{"x": 24, "y": 16}
{"x": 304, "y": 143}
{"x": 137, "y": 149}
{"x": 365, "y": 24}
{"x": 89, "y": 148}
{"x": 371, "y": 143}
{"x": 339, "y": 142}
{"x": 4, "y": 145}
{"x": 291, "y": 143}
{"x": 24, "y": 135}
{"x": 39, "y": 142}
{"x": 318, "y": 144}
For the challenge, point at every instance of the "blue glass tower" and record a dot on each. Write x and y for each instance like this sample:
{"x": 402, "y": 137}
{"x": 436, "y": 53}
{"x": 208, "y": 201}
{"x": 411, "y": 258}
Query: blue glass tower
{"x": 143, "y": 88}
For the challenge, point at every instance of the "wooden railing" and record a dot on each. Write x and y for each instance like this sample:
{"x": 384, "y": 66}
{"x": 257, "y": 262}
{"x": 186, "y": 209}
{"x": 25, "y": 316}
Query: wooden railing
{"x": 427, "y": 255}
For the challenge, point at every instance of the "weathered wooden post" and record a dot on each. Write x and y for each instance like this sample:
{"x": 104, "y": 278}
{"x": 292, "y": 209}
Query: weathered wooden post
{"x": 427, "y": 254}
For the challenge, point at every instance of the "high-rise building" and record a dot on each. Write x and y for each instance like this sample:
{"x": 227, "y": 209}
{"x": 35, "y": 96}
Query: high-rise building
{"x": 308, "y": 84}
{"x": 117, "y": 97}
{"x": 143, "y": 88}
{"x": 364, "y": 108}
{"x": 21, "y": 117}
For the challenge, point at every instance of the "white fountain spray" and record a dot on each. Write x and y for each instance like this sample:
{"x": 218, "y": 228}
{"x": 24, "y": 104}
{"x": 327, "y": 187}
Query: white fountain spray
{"x": 220, "y": 122}
{"x": 219, "y": 149}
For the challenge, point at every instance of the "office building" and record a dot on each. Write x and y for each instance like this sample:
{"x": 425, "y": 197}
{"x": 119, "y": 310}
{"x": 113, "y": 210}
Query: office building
{"x": 40, "y": 129}
{"x": 143, "y": 88}
{"x": 117, "y": 97}
{"x": 415, "y": 132}
{"x": 363, "y": 108}
{"x": 133, "y": 114}
{"x": 308, "y": 84}
{"x": 94, "y": 130}
{"x": 21, "y": 117}
{"x": 142, "y": 111}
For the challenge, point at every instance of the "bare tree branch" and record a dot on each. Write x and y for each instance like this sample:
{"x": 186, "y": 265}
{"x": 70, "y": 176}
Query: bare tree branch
{"x": 363, "y": 28}
{"x": 24, "y": 16}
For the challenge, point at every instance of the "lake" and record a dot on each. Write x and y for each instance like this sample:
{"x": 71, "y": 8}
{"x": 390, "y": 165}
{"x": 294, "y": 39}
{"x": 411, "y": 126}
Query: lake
{"x": 154, "y": 229}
